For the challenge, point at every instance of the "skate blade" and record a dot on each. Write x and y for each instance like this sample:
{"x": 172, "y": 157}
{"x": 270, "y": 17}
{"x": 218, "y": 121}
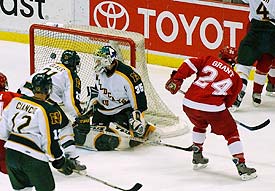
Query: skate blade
{"x": 199, "y": 166}
{"x": 81, "y": 172}
{"x": 246, "y": 177}
{"x": 233, "y": 108}
{"x": 271, "y": 94}
{"x": 256, "y": 104}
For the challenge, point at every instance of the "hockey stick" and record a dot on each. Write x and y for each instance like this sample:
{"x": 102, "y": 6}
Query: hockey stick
{"x": 101, "y": 129}
{"x": 251, "y": 128}
{"x": 190, "y": 148}
{"x": 142, "y": 140}
{"x": 136, "y": 187}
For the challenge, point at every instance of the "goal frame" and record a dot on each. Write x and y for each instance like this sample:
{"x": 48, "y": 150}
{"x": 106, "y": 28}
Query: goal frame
{"x": 81, "y": 33}
{"x": 158, "y": 112}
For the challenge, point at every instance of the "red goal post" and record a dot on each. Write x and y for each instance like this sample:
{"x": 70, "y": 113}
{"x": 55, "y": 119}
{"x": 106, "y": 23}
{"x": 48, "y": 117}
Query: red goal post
{"x": 47, "y": 44}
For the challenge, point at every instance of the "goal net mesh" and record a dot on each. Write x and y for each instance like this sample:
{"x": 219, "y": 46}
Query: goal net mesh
{"x": 47, "y": 44}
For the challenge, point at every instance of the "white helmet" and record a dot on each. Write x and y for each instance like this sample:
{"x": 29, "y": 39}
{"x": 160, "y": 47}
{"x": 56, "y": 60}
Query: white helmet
{"x": 103, "y": 58}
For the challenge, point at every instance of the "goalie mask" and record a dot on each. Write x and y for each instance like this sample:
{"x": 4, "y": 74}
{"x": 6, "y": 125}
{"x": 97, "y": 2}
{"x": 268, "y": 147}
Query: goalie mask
{"x": 229, "y": 55}
{"x": 3, "y": 82}
{"x": 103, "y": 58}
{"x": 71, "y": 60}
{"x": 42, "y": 83}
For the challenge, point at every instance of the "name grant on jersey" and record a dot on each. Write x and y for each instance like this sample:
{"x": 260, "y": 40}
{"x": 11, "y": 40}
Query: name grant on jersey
{"x": 25, "y": 107}
{"x": 223, "y": 67}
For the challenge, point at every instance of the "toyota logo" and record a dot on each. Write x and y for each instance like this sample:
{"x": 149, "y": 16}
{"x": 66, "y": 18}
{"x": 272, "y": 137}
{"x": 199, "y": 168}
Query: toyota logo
{"x": 112, "y": 12}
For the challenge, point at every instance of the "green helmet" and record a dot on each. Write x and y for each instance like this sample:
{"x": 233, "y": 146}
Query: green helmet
{"x": 104, "y": 57}
{"x": 42, "y": 83}
{"x": 71, "y": 60}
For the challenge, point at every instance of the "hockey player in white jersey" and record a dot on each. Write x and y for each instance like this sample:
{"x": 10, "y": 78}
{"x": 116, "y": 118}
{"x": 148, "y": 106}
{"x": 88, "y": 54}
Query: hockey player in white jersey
{"x": 258, "y": 41}
{"x": 66, "y": 92}
{"x": 30, "y": 126}
{"x": 120, "y": 105}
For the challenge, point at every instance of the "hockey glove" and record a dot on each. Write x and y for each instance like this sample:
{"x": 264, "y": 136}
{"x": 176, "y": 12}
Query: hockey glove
{"x": 136, "y": 124}
{"x": 64, "y": 165}
{"x": 82, "y": 124}
{"x": 173, "y": 85}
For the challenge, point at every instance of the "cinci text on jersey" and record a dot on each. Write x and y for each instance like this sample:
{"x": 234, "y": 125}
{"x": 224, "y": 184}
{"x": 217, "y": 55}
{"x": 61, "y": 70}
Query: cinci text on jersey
{"x": 25, "y": 107}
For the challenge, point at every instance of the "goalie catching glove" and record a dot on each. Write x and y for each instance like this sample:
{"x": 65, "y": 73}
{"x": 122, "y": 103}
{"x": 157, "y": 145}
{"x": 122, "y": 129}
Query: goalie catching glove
{"x": 137, "y": 123}
{"x": 173, "y": 85}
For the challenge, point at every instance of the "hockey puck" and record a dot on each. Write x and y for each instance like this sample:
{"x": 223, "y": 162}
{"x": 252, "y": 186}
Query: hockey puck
{"x": 53, "y": 55}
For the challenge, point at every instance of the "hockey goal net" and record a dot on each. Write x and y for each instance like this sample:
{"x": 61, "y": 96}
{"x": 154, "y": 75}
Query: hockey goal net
{"x": 47, "y": 44}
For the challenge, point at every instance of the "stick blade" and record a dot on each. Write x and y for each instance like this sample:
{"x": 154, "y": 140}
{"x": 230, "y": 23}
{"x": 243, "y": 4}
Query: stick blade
{"x": 260, "y": 126}
{"x": 136, "y": 187}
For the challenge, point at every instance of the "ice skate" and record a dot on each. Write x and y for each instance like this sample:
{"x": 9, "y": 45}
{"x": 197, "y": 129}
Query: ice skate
{"x": 245, "y": 172}
{"x": 256, "y": 97}
{"x": 79, "y": 168}
{"x": 238, "y": 102}
{"x": 199, "y": 160}
{"x": 270, "y": 90}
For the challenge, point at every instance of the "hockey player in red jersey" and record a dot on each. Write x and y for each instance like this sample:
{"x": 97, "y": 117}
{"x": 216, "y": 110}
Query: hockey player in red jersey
{"x": 265, "y": 67}
{"x": 5, "y": 98}
{"x": 207, "y": 101}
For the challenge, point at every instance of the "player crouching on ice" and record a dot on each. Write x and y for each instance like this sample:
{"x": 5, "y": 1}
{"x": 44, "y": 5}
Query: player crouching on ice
{"x": 207, "y": 101}
{"x": 117, "y": 104}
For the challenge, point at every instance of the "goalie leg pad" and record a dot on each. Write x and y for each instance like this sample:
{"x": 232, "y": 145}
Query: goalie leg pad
{"x": 133, "y": 143}
{"x": 106, "y": 142}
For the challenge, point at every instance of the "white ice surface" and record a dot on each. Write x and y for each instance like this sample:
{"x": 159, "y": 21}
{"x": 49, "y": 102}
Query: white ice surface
{"x": 161, "y": 168}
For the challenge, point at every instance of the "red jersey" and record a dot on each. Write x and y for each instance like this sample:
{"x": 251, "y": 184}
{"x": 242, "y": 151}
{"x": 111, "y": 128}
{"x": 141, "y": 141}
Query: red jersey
{"x": 216, "y": 85}
{"x": 5, "y": 98}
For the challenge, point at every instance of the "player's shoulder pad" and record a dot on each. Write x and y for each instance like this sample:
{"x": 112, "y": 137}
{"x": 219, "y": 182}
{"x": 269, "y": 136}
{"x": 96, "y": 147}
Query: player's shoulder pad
{"x": 46, "y": 105}
{"x": 129, "y": 72}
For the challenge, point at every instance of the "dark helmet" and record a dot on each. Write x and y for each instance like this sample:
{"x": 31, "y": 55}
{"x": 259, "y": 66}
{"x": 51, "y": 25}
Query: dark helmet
{"x": 3, "y": 82}
{"x": 42, "y": 83}
{"x": 71, "y": 60}
{"x": 229, "y": 55}
{"x": 104, "y": 57}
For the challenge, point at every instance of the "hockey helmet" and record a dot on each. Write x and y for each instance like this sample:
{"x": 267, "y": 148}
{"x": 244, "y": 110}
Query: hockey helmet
{"x": 229, "y": 55}
{"x": 3, "y": 82}
{"x": 42, "y": 83}
{"x": 71, "y": 60}
{"x": 103, "y": 58}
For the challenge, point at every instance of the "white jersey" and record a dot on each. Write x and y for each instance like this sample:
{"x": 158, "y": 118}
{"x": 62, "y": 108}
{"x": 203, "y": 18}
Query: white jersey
{"x": 66, "y": 87}
{"x": 123, "y": 89}
{"x": 261, "y": 11}
{"x": 31, "y": 126}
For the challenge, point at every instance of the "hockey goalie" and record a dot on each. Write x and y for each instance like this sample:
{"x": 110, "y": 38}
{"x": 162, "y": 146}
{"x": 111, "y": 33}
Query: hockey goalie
{"x": 115, "y": 107}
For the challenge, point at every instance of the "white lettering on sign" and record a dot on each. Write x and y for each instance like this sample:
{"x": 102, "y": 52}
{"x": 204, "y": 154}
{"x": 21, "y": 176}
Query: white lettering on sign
{"x": 190, "y": 27}
{"x": 173, "y": 19}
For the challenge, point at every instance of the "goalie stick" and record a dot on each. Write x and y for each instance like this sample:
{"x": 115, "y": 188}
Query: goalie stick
{"x": 190, "y": 148}
{"x": 251, "y": 128}
{"x": 136, "y": 187}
